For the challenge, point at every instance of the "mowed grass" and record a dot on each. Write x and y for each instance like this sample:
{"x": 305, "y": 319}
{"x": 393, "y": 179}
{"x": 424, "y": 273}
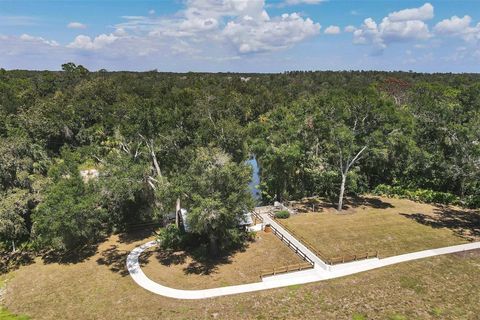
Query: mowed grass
{"x": 99, "y": 287}
{"x": 444, "y": 287}
{"x": 181, "y": 270}
{"x": 391, "y": 226}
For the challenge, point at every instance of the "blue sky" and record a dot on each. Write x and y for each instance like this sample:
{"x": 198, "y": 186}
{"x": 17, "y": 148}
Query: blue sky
{"x": 241, "y": 35}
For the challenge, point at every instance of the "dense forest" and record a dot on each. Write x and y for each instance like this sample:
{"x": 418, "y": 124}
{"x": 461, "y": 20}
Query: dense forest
{"x": 153, "y": 137}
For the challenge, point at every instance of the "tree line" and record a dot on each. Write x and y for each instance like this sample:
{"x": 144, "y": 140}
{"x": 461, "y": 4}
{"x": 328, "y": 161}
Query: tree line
{"x": 155, "y": 137}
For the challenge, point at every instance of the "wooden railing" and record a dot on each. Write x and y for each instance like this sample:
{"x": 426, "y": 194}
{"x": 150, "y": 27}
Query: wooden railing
{"x": 354, "y": 257}
{"x": 143, "y": 226}
{"x": 285, "y": 269}
{"x": 256, "y": 216}
{"x": 324, "y": 257}
{"x": 290, "y": 244}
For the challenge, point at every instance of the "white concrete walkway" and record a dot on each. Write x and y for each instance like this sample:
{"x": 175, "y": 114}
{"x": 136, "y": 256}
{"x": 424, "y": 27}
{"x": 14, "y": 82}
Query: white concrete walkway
{"x": 278, "y": 281}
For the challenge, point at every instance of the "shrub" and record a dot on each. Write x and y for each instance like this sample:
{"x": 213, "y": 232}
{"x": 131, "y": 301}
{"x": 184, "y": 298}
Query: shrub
{"x": 422, "y": 195}
{"x": 170, "y": 237}
{"x": 283, "y": 214}
{"x": 472, "y": 201}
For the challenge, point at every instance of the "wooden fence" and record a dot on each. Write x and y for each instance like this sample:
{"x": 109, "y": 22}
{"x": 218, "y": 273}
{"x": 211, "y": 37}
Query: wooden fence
{"x": 285, "y": 269}
{"x": 256, "y": 217}
{"x": 143, "y": 226}
{"x": 307, "y": 264}
{"x": 290, "y": 244}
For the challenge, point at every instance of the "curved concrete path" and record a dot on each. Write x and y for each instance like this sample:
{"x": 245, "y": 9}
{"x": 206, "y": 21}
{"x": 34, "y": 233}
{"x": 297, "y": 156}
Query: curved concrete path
{"x": 278, "y": 281}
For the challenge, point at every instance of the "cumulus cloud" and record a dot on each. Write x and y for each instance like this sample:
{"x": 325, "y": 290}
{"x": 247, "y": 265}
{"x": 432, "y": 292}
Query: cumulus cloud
{"x": 76, "y": 25}
{"x": 422, "y": 13}
{"x": 461, "y": 27}
{"x": 332, "y": 30}
{"x": 403, "y": 25}
{"x": 270, "y": 34}
{"x": 87, "y": 43}
{"x": 28, "y": 38}
{"x": 349, "y": 29}
{"x": 27, "y": 51}
{"x": 243, "y": 25}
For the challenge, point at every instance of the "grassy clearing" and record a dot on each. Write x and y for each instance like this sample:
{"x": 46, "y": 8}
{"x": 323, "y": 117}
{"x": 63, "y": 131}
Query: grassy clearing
{"x": 181, "y": 270}
{"x": 445, "y": 287}
{"x": 98, "y": 287}
{"x": 391, "y": 226}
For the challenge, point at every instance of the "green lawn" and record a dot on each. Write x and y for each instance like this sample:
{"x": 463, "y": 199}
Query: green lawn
{"x": 5, "y": 315}
{"x": 391, "y": 226}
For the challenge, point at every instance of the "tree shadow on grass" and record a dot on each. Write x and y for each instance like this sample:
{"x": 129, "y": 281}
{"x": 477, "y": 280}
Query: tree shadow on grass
{"x": 371, "y": 202}
{"x": 116, "y": 259}
{"x": 131, "y": 237}
{"x": 320, "y": 204}
{"x": 464, "y": 223}
{"x": 76, "y": 255}
{"x": 200, "y": 262}
{"x": 85, "y": 252}
{"x": 13, "y": 260}
{"x": 206, "y": 265}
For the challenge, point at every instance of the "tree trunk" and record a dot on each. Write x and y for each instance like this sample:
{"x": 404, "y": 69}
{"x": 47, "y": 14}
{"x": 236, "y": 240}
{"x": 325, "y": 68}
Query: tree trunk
{"x": 178, "y": 213}
{"x": 13, "y": 246}
{"x": 155, "y": 163}
{"x": 342, "y": 191}
{"x": 213, "y": 247}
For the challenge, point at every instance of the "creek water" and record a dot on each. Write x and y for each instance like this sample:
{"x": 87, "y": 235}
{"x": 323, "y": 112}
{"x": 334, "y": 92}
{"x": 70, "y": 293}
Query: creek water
{"x": 255, "y": 181}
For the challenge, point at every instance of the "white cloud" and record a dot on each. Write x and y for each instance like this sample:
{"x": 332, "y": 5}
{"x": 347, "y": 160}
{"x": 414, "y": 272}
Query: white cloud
{"x": 454, "y": 25}
{"x": 267, "y": 35}
{"x": 87, "y": 43}
{"x": 349, "y": 29}
{"x": 151, "y": 12}
{"x": 28, "y": 38}
{"x": 241, "y": 25}
{"x": 18, "y": 21}
{"x": 76, "y": 25}
{"x": 296, "y": 2}
{"x": 460, "y": 27}
{"x": 403, "y": 25}
{"x": 422, "y": 13}
{"x": 30, "y": 52}
{"x": 332, "y": 30}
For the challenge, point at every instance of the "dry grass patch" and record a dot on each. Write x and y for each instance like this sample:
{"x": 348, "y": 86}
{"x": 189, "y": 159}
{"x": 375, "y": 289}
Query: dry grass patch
{"x": 391, "y": 226}
{"x": 181, "y": 270}
{"x": 445, "y": 287}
